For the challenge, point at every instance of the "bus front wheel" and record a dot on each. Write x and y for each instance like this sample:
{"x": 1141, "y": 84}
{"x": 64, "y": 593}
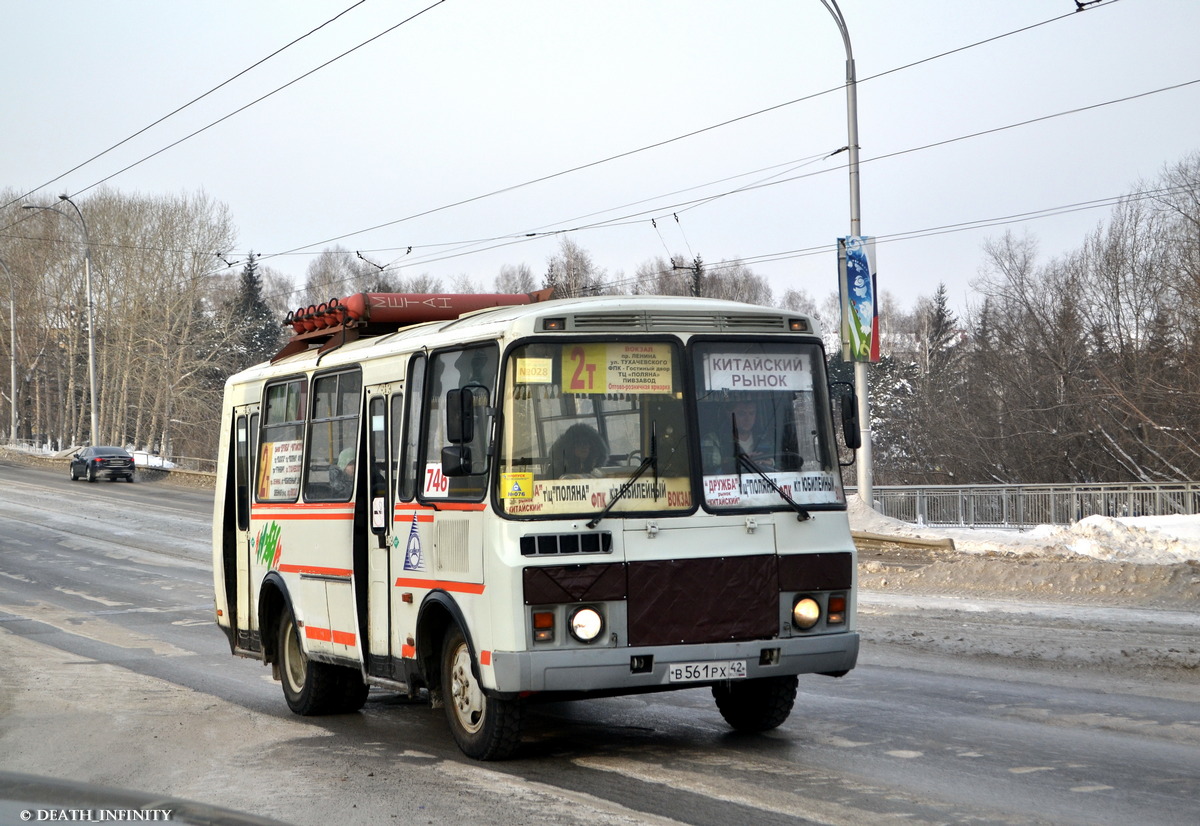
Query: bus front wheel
{"x": 485, "y": 728}
{"x": 756, "y": 705}
{"x": 313, "y": 688}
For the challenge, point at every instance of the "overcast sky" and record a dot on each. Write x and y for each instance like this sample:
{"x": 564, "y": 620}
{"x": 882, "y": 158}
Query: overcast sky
{"x": 439, "y": 131}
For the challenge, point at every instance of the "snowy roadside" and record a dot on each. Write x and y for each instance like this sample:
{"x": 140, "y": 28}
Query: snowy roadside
{"x": 1120, "y": 596}
{"x": 1142, "y": 561}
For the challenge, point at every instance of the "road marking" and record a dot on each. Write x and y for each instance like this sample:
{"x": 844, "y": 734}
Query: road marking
{"x": 553, "y": 799}
{"x": 85, "y": 625}
{"x": 724, "y": 788}
{"x": 89, "y": 597}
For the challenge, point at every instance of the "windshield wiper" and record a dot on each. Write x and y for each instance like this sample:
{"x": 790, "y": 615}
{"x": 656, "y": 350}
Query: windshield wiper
{"x": 743, "y": 460}
{"x": 651, "y": 460}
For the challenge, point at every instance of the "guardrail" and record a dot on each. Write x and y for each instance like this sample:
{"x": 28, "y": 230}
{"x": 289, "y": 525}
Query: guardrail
{"x": 1023, "y": 506}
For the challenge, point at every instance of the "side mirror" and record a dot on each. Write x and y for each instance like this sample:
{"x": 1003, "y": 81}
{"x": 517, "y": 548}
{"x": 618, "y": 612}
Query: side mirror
{"x": 848, "y": 408}
{"x": 460, "y": 416}
{"x": 456, "y": 460}
{"x": 463, "y": 408}
{"x": 850, "y": 427}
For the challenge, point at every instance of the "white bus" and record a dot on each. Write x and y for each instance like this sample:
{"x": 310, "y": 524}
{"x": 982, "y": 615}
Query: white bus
{"x": 550, "y": 499}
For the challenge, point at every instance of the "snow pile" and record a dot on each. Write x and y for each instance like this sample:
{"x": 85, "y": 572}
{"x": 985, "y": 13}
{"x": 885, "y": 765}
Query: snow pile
{"x": 1146, "y": 540}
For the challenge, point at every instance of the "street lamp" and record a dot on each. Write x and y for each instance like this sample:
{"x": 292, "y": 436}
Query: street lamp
{"x": 12, "y": 351}
{"x": 91, "y": 327}
{"x": 863, "y": 460}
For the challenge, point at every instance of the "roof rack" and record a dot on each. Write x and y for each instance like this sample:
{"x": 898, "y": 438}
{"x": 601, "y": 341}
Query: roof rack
{"x": 333, "y": 323}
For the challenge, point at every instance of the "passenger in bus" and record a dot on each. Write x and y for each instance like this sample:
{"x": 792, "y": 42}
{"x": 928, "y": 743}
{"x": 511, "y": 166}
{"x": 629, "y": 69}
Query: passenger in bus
{"x": 341, "y": 477}
{"x": 577, "y": 452}
{"x": 739, "y": 422}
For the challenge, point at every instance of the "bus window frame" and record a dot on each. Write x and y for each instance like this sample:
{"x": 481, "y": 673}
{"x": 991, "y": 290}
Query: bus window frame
{"x": 821, "y": 396}
{"x": 260, "y": 466}
{"x": 679, "y": 356}
{"x": 407, "y": 485}
{"x": 311, "y": 421}
{"x": 429, "y": 409}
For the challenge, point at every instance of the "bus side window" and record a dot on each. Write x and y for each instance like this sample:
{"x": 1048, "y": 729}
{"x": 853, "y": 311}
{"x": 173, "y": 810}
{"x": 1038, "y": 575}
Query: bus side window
{"x": 331, "y": 457}
{"x": 281, "y": 444}
{"x": 395, "y": 437}
{"x": 467, "y": 376}
{"x": 377, "y": 470}
{"x": 408, "y": 470}
{"x": 242, "y": 473}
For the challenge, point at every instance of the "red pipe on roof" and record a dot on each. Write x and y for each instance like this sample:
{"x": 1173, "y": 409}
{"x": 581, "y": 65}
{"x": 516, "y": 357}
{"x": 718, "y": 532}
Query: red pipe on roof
{"x": 401, "y": 309}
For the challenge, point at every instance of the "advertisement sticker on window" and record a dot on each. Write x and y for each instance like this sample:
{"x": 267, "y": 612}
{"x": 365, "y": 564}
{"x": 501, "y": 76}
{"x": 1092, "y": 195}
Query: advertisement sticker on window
{"x": 279, "y": 470}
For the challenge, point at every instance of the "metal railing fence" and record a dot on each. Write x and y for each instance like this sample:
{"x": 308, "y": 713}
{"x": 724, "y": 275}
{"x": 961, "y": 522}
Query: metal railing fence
{"x": 1023, "y": 506}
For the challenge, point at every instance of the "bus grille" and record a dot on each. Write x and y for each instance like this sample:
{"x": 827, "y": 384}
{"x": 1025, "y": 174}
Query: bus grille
{"x": 687, "y": 322}
{"x": 566, "y": 543}
{"x": 681, "y": 601}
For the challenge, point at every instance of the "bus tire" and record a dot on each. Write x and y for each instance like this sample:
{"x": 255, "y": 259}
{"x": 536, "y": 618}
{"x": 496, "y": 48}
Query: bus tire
{"x": 352, "y": 692}
{"x": 485, "y": 728}
{"x": 310, "y": 688}
{"x": 756, "y": 705}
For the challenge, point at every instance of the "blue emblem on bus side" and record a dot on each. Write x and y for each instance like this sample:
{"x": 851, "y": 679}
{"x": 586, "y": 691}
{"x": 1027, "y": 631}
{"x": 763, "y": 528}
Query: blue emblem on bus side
{"x": 412, "y": 552}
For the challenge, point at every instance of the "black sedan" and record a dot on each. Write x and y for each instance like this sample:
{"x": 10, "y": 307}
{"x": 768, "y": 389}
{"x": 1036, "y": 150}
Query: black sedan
{"x": 95, "y": 462}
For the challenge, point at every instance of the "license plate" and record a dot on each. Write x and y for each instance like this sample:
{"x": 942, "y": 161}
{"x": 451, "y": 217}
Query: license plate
{"x": 704, "y": 672}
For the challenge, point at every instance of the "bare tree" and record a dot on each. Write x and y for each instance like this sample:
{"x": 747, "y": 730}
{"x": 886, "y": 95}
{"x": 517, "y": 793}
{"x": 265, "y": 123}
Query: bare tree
{"x": 516, "y": 278}
{"x": 734, "y": 281}
{"x": 571, "y": 272}
{"x": 338, "y": 272}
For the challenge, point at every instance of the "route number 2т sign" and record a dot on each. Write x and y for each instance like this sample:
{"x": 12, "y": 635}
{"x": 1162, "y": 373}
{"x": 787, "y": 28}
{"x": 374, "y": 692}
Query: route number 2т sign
{"x": 610, "y": 367}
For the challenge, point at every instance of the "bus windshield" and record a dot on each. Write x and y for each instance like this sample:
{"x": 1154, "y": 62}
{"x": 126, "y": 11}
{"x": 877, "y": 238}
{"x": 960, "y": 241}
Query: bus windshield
{"x": 581, "y": 418}
{"x": 765, "y": 434}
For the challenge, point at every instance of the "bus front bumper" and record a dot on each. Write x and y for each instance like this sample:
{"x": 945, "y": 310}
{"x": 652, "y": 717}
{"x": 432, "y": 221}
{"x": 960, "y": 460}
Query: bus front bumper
{"x": 648, "y": 668}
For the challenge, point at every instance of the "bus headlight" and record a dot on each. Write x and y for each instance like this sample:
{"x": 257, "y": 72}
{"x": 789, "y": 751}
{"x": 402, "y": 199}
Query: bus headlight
{"x": 806, "y": 612}
{"x": 586, "y": 624}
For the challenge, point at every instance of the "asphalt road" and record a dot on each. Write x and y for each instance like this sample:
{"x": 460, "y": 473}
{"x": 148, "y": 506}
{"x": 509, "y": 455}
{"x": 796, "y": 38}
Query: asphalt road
{"x": 112, "y": 671}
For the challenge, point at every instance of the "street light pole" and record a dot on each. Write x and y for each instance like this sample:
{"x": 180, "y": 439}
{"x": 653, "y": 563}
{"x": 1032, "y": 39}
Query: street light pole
{"x": 863, "y": 463}
{"x": 12, "y": 351}
{"x": 91, "y": 327}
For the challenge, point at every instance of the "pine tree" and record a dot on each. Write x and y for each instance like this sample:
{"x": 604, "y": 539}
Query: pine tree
{"x": 259, "y": 331}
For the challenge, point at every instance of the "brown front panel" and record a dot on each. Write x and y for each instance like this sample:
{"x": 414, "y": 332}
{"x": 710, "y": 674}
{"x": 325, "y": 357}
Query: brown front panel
{"x": 574, "y": 583}
{"x": 703, "y": 600}
{"x": 816, "y": 572}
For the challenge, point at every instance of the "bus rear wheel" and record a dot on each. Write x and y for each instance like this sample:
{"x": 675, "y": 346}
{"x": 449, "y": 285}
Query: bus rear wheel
{"x": 756, "y": 705}
{"x": 313, "y": 688}
{"x": 485, "y": 728}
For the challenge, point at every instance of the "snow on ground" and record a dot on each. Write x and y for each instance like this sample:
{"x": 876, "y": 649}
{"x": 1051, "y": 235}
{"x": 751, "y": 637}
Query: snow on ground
{"x": 1147, "y": 540}
{"x": 1037, "y": 597}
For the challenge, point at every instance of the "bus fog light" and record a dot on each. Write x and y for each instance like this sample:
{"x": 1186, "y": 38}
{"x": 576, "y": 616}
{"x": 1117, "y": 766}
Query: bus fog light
{"x": 586, "y": 624}
{"x": 806, "y": 612}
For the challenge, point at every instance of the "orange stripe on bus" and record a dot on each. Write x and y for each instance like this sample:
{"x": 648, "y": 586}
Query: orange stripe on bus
{"x": 329, "y": 635}
{"x": 314, "y": 569}
{"x": 460, "y": 587}
{"x": 485, "y": 657}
